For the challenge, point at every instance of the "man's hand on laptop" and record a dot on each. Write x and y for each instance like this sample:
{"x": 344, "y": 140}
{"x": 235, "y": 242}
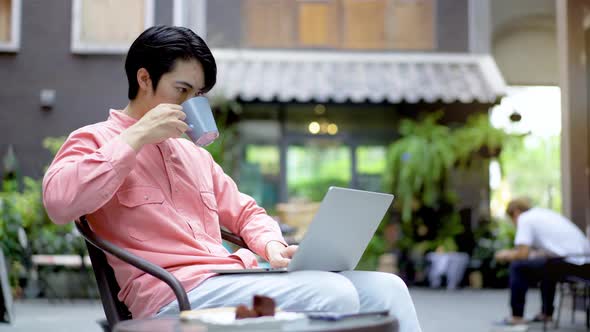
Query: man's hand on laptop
{"x": 279, "y": 255}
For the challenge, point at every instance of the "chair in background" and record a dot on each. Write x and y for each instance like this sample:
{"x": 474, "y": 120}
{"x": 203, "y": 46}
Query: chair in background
{"x": 578, "y": 289}
{"x": 573, "y": 281}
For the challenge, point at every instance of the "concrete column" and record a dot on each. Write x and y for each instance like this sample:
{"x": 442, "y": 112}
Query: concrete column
{"x": 574, "y": 101}
{"x": 480, "y": 26}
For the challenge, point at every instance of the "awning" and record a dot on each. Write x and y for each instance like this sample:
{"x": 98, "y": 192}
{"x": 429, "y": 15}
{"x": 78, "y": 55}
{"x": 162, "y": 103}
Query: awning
{"x": 323, "y": 76}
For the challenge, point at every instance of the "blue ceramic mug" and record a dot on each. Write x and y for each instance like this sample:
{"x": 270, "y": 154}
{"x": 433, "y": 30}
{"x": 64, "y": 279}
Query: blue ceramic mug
{"x": 199, "y": 118}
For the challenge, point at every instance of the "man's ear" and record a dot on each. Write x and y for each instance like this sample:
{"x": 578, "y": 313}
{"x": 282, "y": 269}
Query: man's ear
{"x": 144, "y": 80}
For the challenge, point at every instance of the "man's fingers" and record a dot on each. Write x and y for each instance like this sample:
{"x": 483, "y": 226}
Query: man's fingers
{"x": 181, "y": 126}
{"x": 289, "y": 251}
{"x": 280, "y": 262}
{"x": 180, "y": 115}
{"x": 173, "y": 106}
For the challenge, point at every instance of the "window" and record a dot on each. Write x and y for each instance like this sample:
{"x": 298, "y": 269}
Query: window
{"x": 413, "y": 24}
{"x": 191, "y": 14}
{"x": 109, "y": 26}
{"x": 10, "y": 16}
{"x": 318, "y": 23}
{"x": 371, "y": 165}
{"x": 364, "y": 24}
{"x": 315, "y": 165}
{"x": 268, "y": 23}
{"x": 371, "y": 159}
{"x": 340, "y": 24}
{"x": 259, "y": 174}
{"x": 267, "y": 156}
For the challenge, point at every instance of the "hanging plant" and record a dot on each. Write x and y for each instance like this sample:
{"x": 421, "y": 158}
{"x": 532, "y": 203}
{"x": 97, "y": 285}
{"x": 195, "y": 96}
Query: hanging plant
{"x": 478, "y": 138}
{"x": 418, "y": 164}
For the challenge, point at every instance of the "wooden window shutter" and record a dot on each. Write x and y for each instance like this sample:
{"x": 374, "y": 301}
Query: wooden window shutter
{"x": 112, "y": 21}
{"x": 412, "y": 24}
{"x": 5, "y": 20}
{"x": 268, "y": 23}
{"x": 318, "y": 23}
{"x": 364, "y": 24}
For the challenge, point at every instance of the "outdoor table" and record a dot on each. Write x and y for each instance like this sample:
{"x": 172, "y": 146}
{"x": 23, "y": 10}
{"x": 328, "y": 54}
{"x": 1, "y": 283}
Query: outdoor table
{"x": 173, "y": 324}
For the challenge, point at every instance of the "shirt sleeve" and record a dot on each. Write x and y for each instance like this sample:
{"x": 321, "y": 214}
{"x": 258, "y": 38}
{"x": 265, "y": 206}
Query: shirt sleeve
{"x": 83, "y": 176}
{"x": 240, "y": 214}
{"x": 524, "y": 232}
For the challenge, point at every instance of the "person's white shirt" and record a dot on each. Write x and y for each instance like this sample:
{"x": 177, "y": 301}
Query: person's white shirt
{"x": 549, "y": 231}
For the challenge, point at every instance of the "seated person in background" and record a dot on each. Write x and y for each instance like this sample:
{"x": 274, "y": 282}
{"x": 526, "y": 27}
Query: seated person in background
{"x": 164, "y": 199}
{"x": 547, "y": 231}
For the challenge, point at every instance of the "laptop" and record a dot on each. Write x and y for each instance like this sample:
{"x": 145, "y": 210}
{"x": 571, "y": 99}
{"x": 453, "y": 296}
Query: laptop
{"x": 338, "y": 234}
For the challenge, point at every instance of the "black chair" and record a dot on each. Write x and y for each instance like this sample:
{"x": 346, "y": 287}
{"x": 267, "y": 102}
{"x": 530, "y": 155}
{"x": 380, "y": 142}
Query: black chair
{"x": 108, "y": 287}
{"x": 577, "y": 288}
{"x": 573, "y": 281}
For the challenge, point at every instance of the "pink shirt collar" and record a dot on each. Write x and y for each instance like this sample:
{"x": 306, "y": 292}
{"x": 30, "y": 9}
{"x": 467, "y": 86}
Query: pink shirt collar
{"x": 121, "y": 118}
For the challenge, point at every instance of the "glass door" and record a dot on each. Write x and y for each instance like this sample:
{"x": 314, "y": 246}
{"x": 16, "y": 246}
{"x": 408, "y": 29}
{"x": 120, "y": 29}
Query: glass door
{"x": 315, "y": 164}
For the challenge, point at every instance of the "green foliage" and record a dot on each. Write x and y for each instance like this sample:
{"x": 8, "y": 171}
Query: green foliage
{"x": 371, "y": 159}
{"x": 267, "y": 156}
{"x": 9, "y": 162}
{"x": 478, "y": 135}
{"x": 432, "y": 235}
{"x": 10, "y": 222}
{"x": 220, "y": 150}
{"x": 418, "y": 165}
{"x": 542, "y": 183}
{"x": 25, "y": 210}
{"x": 315, "y": 189}
{"x": 53, "y": 144}
{"x": 22, "y": 210}
{"x": 491, "y": 237}
{"x": 370, "y": 259}
{"x": 313, "y": 169}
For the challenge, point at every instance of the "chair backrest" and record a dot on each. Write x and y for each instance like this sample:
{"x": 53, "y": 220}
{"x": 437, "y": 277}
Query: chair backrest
{"x": 108, "y": 287}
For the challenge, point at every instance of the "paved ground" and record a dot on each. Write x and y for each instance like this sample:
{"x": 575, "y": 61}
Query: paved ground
{"x": 439, "y": 311}
{"x": 477, "y": 310}
{"x": 62, "y": 316}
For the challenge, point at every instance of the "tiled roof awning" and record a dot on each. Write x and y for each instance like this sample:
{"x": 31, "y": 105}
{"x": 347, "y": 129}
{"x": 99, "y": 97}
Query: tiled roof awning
{"x": 322, "y": 76}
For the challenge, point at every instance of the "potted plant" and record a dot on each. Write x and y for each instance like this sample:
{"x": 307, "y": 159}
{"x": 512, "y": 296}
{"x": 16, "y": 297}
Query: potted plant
{"x": 491, "y": 236}
{"x": 417, "y": 164}
{"x": 22, "y": 213}
{"x": 479, "y": 138}
{"x": 417, "y": 172}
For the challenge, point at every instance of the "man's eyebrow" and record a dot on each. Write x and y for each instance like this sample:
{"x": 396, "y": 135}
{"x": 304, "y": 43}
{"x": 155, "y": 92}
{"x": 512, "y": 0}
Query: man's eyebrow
{"x": 185, "y": 83}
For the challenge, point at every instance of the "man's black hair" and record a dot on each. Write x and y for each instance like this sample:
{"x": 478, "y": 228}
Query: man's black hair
{"x": 157, "y": 50}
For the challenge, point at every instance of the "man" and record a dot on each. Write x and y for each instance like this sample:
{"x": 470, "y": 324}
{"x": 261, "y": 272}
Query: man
{"x": 164, "y": 199}
{"x": 554, "y": 236}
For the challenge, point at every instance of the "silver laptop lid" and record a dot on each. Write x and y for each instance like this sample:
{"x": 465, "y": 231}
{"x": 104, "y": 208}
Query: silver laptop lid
{"x": 341, "y": 230}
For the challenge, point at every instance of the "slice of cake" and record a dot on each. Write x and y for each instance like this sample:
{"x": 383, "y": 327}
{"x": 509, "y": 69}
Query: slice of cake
{"x": 262, "y": 306}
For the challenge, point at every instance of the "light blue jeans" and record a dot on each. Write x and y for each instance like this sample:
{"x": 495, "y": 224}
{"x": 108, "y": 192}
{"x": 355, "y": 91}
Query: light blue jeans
{"x": 349, "y": 291}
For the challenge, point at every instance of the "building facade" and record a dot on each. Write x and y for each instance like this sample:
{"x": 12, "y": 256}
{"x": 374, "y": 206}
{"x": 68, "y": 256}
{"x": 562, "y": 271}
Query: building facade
{"x": 317, "y": 80}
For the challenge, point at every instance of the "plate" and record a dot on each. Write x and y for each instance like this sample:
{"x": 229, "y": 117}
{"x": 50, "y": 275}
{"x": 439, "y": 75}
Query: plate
{"x": 226, "y": 317}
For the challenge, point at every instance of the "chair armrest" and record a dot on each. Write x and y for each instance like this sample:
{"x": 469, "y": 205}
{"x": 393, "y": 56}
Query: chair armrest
{"x": 231, "y": 237}
{"x": 136, "y": 261}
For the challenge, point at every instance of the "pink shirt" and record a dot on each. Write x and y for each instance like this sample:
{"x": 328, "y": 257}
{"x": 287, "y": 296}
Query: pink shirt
{"x": 165, "y": 204}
